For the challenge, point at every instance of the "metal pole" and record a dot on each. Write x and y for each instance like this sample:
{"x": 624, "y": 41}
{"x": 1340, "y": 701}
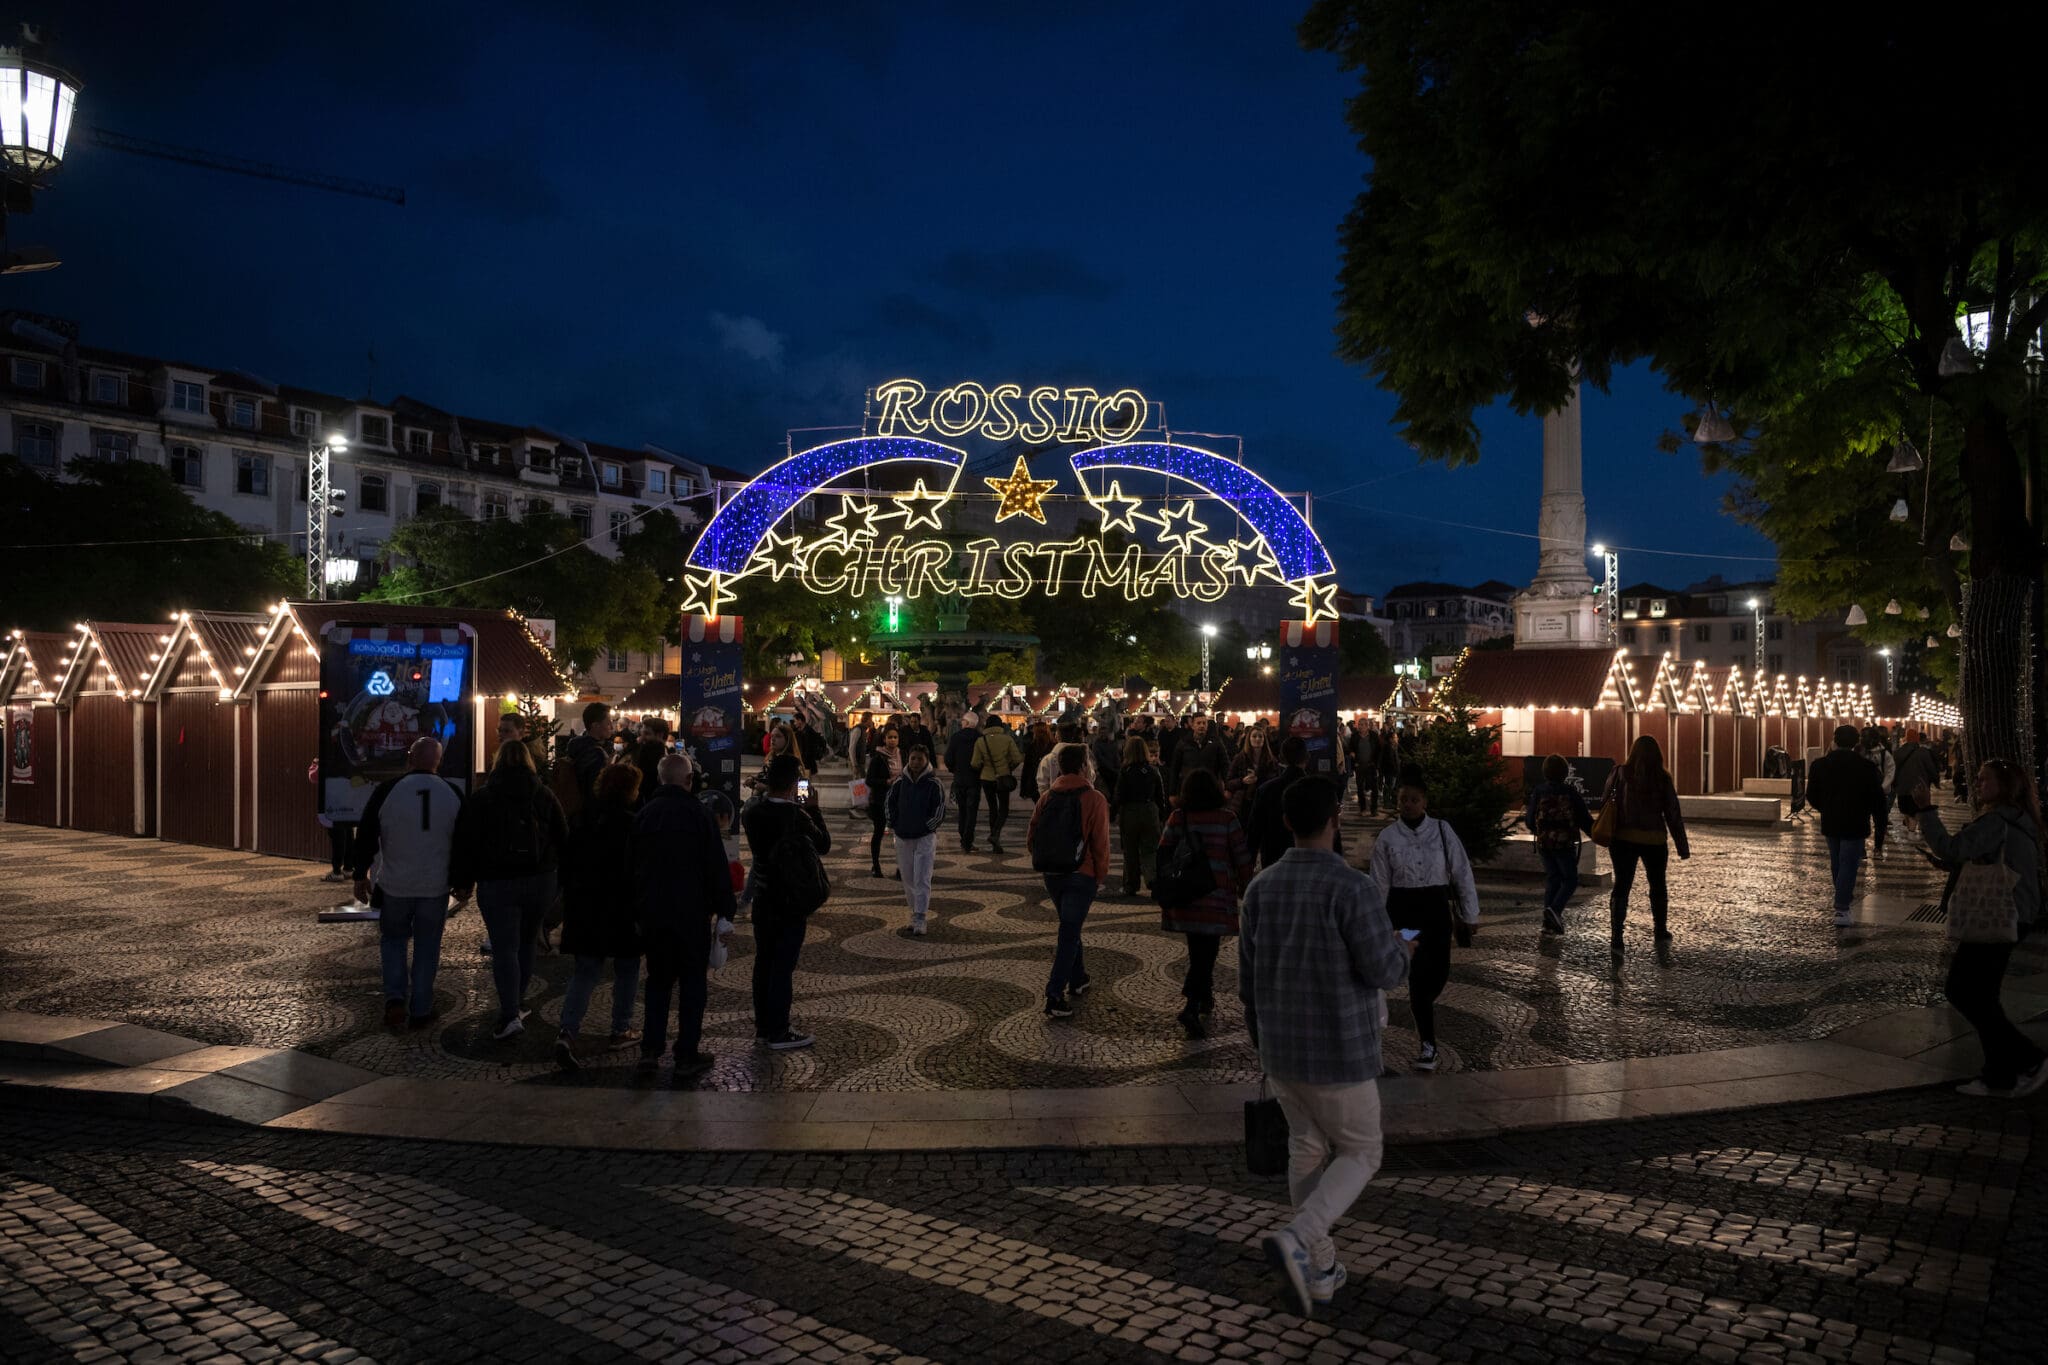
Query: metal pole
{"x": 317, "y": 499}
{"x": 1758, "y": 626}
{"x": 1205, "y": 664}
{"x": 1611, "y": 589}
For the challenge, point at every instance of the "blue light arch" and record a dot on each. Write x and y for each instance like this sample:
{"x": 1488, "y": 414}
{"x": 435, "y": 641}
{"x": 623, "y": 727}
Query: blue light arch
{"x": 1294, "y": 543}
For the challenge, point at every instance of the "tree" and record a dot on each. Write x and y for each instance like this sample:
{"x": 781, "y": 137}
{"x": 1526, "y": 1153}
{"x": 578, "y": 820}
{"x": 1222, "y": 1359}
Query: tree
{"x": 1468, "y": 787}
{"x": 1543, "y": 205}
{"x": 64, "y": 562}
{"x": 1362, "y": 651}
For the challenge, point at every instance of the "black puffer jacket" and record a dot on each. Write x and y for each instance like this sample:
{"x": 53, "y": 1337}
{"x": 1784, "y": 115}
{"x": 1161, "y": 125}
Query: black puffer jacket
{"x": 599, "y": 895}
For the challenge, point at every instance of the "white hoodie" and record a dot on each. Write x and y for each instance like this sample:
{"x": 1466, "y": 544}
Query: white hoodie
{"x": 1428, "y": 855}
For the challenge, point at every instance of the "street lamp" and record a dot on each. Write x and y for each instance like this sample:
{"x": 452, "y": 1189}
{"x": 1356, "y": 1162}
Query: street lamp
{"x": 36, "y": 103}
{"x": 1208, "y": 634}
{"x": 1889, "y": 685}
{"x": 1259, "y": 652}
{"x": 323, "y": 501}
{"x": 1756, "y": 616}
{"x": 1610, "y": 585}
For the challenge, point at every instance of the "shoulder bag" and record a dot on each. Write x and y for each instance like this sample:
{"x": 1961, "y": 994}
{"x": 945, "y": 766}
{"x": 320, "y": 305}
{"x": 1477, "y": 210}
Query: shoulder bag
{"x": 1607, "y": 823}
{"x": 1982, "y": 908}
{"x": 1265, "y": 1134}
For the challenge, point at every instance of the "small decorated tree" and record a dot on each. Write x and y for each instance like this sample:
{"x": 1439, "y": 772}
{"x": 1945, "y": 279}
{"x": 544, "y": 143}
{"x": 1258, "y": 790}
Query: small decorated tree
{"x": 541, "y": 729}
{"x": 1468, "y": 786}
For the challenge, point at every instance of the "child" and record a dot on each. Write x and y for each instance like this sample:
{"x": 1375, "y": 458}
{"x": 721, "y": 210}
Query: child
{"x": 742, "y": 883}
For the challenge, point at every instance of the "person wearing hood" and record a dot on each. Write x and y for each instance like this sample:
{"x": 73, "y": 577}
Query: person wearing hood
{"x": 1423, "y": 876}
{"x": 915, "y": 808}
{"x": 508, "y": 845}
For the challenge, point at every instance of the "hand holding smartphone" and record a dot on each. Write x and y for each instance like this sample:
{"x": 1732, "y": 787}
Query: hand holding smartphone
{"x": 1410, "y": 935}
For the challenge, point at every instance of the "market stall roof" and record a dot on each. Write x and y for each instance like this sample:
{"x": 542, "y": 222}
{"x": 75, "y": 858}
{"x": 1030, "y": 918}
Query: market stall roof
{"x": 662, "y": 692}
{"x": 1500, "y": 678}
{"x": 1366, "y": 691}
{"x": 33, "y": 666}
{"x": 509, "y": 659}
{"x": 228, "y": 641}
{"x": 121, "y": 650}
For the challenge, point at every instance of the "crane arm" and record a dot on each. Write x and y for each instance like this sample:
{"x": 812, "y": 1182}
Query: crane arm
{"x": 238, "y": 165}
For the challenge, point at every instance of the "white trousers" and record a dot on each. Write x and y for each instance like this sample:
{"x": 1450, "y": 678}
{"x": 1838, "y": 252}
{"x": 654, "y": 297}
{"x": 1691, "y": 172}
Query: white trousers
{"x": 914, "y": 862}
{"x": 1334, "y": 1147}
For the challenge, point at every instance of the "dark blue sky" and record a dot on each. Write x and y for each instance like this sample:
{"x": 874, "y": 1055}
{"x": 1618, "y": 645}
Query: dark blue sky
{"x": 701, "y": 229}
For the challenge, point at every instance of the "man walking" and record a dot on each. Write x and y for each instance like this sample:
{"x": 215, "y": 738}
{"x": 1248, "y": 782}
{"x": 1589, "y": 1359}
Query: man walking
{"x": 1314, "y": 955}
{"x": 414, "y": 876}
{"x": 1848, "y": 791}
{"x": 966, "y": 782}
{"x": 1069, "y": 841}
{"x": 592, "y": 749}
{"x": 995, "y": 762}
{"x": 915, "y": 808}
{"x": 1917, "y": 767}
{"x": 1198, "y": 748}
{"x": 685, "y": 887}
{"x": 1269, "y": 834}
{"x": 779, "y": 922}
{"x": 1367, "y": 768}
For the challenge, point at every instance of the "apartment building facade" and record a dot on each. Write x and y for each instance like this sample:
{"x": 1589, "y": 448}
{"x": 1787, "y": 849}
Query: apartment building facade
{"x": 1711, "y": 621}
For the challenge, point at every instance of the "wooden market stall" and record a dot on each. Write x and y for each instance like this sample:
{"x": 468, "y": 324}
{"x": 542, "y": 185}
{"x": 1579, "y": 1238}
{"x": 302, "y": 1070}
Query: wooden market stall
{"x": 1575, "y": 702}
{"x": 109, "y": 731}
{"x": 200, "y": 731}
{"x": 30, "y": 673}
{"x": 281, "y": 686}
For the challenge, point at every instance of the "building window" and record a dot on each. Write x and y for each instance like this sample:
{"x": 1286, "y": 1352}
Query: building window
{"x": 1430, "y": 610}
{"x": 374, "y": 493}
{"x": 1663, "y": 635}
{"x": 540, "y": 459}
{"x": 115, "y": 447}
{"x": 536, "y": 507}
{"x": 252, "y": 473}
{"x": 1777, "y": 662}
{"x": 111, "y": 389}
{"x": 489, "y": 455}
{"x": 617, "y": 527}
{"x": 27, "y": 374}
{"x": 187, "y": 396}
{"x": 580, "y": 515}
{"x": 426, "y": 496}
{"x": 1703, "y": 634}
{"x": 1738, "y": 632}
{"x": 304, "y": 477}
{"x": 305, "y": 422}
{"x": 1774, "y": 630}
{"x": 188, "y": 466}
{"x": 1658, "y": 607}
{"x": 615, "y": 660}
{"x": 657, "y": 481}
{"x": 418, "y": 442}
{"x": 611, "y": 476}
{"x": 1628, "y": 637}
{"x": 1718, "y": 604}
{"x": 242, "y": 413}
{"x": 376, "y": 431}
{"x": 1848, "y": 668}
{"x": 494, "y": 507}
{"x": 35, "y": 443}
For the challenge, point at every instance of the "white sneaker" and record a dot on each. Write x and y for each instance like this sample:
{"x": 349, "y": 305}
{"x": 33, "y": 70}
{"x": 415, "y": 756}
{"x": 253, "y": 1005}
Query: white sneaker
{"x": 1288, "y": 1256}
{"x": 1426, "y": 1059}
{"x": 918, "y": 928}
{"x": 2030, "y": 1081}
{"x": 1325, "y": 1285}
{"x": 1979, "y": 1090}
{"x": 516, "y": 1024}
{"x": 1843, "y": 919}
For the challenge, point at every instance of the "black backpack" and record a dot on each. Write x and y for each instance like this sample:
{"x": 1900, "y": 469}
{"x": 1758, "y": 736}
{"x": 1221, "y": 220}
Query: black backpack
{"x": 1184, "y": 875}
{"x": 793, "y": 875}
{"x": 512, "y": 834}
{"x": 1057, "y": 843}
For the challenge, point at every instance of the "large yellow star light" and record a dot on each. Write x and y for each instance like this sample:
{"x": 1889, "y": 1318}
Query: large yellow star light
{"x": 1183, "y": 527}
{"x": 855, "y": 522}
{"x": 702, "y": 592}
{"x": 1021, "y": 493}
{"x": 1118, "y": 511}
{"x": 780, "y": 555}
{"x": 1317, "y": 601}
{"x": 921, "y": 508}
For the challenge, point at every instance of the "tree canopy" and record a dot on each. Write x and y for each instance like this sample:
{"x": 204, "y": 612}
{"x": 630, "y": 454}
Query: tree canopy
{"x": 1789, "y": 224}
{"x": 62, "y": 559}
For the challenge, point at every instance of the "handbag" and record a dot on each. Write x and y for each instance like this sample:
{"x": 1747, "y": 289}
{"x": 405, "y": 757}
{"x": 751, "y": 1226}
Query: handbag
{"x": 1007, "y": 783}
{"x": 1982, "y": 908}
{"x": 1265, "y": 1134}
{"x": 1184, "y": 875}
{"x": 1607, "y": 823}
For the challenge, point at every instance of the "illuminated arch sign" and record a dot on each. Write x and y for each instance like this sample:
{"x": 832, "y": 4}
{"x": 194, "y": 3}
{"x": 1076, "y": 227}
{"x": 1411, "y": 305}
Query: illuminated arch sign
{"x": 868, "y": 516}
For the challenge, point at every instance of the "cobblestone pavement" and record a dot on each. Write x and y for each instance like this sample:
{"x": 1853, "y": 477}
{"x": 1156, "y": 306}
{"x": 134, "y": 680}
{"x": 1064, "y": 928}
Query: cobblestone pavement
{"x": 223, "y": 947}
{"x": 1896, "y": 1228}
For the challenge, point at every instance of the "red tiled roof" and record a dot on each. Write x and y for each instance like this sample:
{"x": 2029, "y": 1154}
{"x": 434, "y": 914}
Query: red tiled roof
{"x": 508, "y": 659}
{"x": 1534, "y": 677}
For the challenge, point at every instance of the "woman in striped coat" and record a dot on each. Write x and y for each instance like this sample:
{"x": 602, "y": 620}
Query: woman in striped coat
{"x": 1205, "y": 814}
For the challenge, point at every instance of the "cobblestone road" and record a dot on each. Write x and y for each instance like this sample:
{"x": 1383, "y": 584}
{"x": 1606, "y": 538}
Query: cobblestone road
{"x": 223, "y": 947}
{"x": 1900, "y": 1228}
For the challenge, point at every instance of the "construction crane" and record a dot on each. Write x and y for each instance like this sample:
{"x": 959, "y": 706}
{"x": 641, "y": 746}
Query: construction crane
{"x": 241, "y": 165}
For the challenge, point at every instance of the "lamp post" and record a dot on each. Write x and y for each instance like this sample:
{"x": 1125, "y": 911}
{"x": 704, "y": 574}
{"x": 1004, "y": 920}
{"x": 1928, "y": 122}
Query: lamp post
{"x": 1259, "y": 654}
{"x": 1208, "y": 634}
{"x": 37, "y": 100}
{"x": 1756, "y": 614}
{"x": 1889, "y": 664}
{"x": 1610, "y": 585}
{"x": 895, "y": 623}
{"x": 321, "y": 504}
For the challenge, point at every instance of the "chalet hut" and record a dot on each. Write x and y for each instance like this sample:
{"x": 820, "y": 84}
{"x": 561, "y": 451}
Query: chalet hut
{"x": 30, "y": 672}
{"x": 109, "y": 731}
{"x": 200, "y": 731}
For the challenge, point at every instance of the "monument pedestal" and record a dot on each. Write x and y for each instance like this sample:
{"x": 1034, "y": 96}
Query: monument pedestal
{"x": 1566, "y": 620}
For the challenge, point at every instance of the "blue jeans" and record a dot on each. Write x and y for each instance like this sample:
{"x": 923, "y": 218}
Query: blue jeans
{"x": 1844, "y": 857}
{"x": 513, "y": 909}
{"x": 1560, "y": 877}
{"x": 1072, "y": 893}
{"x": 420, "y": 919}
{"x": 625, "y": 986}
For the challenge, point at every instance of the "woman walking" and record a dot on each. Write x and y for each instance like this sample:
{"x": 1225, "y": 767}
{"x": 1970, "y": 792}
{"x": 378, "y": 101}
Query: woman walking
{"x": 508, "y": 845}
{"x": 1557, "y": 816}
{"x": 1646, "y": 810}
{"x": 598, "y": 904}
{"x": 1037, "y": 744}
{"x": 1252, "y": 766}
{"x": 1205, "y": 816}
{"x": 1425, "y": 879}
{"x": 2008, "y": 830}
{"x": 1139, "y": 805}
{"x": 885, "y": 765}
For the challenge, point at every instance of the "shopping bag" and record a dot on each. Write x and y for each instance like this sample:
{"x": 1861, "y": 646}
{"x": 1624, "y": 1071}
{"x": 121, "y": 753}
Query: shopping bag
{"x": 1265, "y": 1135}
{"x": 1982, "y": 908}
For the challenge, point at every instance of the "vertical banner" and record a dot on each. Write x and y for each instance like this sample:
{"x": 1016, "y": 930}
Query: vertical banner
{"x": 381, "y": 688}
{"x": 1308, "y": 693}
{"x": 712, "y": 720}
{"x": 21, "y": 744}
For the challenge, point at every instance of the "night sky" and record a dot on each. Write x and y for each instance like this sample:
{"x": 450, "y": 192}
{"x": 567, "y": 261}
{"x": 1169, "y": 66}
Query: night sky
{"x": 703, "y": 230}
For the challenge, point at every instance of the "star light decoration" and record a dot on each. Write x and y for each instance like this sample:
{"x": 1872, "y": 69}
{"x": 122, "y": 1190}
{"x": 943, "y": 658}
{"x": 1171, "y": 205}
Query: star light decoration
{"x": 920, "y": 508}
{"x": 780, "y": 555}
{"x": 1190, "y": 528}
{"x": 855, "y": 522}
{"x": 1316, "y": 600}
{"x": 1119, "y": 511}
{"x": 1022, "y": 494}
{"x": 703, "y": 592}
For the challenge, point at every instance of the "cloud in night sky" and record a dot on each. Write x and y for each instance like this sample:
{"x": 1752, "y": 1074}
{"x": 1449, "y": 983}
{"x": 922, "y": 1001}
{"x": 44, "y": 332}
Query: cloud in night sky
{"x": 749, "y": 336}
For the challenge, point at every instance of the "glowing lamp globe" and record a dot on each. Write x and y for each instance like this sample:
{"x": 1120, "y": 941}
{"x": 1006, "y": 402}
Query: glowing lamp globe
{"x": 36, "y": 104}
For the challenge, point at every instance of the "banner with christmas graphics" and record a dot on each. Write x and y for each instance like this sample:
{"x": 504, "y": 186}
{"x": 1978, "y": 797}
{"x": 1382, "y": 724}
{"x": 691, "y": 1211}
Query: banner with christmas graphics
{"x": 712, "y": 713}
{"x": 1308, "y": 694}
{"x": 21, "y": 744}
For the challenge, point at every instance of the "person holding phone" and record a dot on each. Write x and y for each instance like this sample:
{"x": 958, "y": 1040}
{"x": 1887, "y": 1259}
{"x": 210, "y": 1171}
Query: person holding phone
{"x": 1421, "y": 871}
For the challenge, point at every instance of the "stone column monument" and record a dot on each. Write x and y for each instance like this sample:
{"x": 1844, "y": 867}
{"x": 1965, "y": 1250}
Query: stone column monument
{"x": 1557, "y": 610}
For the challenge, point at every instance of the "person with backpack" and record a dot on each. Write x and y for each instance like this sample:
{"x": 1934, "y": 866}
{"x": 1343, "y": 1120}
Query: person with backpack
{"x": 508, "y": 845}
{"x": 788, "y": 841}
{"x": 2007, "y": 831}
{"x": 1069, "y": 841}
{"x": 995, "y": 762}
{"x": 1203, "y": 836}
{"x": 1424, "y": 878}
{"x": 682, "y": 888}
{"x": 1315, "y": 958}
{"x": 408, "y": 834}
{"x": 966, "y": 784}
{"x": 1140, "y": 807}
{"x": 885, "y": 765}
{"x": 914, "y": 809}
{"x": 1848, "y": 791}
{"x": 1918, "y": 766}
{"x": 1646, "y": 809}
{"x": 1267, "y": 829}
{"x": 599, "y": 910}
{"x": 1557, "y": 816}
